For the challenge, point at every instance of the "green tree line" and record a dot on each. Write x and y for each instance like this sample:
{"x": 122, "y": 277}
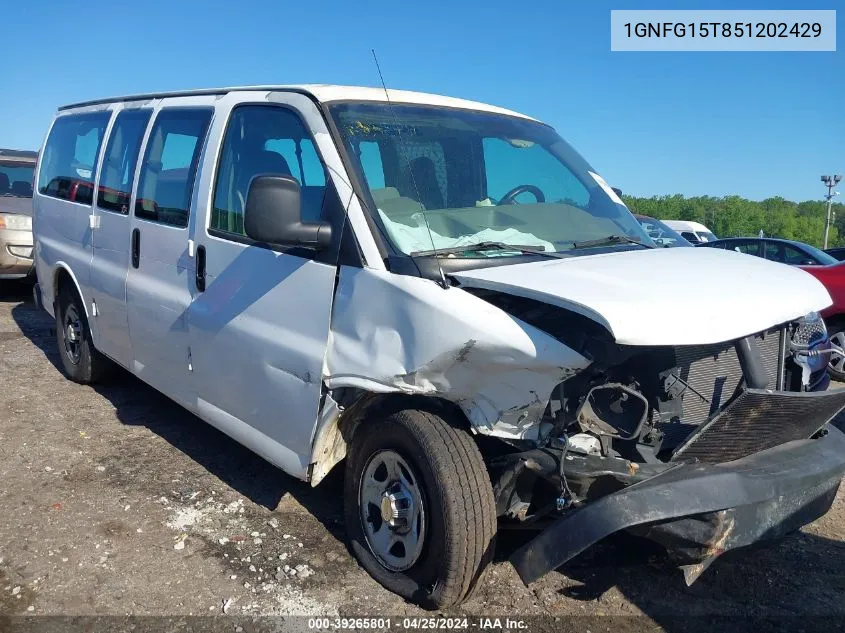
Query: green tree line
{"x": 734, "y": 216}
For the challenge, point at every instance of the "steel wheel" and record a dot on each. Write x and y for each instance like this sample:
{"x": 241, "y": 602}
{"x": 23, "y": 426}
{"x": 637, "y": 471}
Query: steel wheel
{"x": 837, "y": 363}
{"x": 392, "y": 510}
{"x": 73, "y": 332}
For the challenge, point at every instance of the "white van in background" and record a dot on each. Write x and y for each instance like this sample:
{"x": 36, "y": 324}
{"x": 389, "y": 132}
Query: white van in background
{"x": 693, "y": 232}
{"x": 449, "y": 297}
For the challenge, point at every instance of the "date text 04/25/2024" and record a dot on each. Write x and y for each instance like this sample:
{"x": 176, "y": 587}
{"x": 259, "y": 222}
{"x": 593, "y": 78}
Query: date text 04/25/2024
{"x": 418, "y": 623}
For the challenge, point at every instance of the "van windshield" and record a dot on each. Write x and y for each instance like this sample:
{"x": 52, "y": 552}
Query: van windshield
{"x": 444, "y": 178}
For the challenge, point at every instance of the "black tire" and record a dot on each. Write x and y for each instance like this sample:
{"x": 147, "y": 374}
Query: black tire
{"x": 836, "y": 368}
{"x": 86, "y": 365}
{"x": 457, "y": 496}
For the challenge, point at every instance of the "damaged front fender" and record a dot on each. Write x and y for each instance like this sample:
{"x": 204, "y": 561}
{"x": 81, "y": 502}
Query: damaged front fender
{"x": 394, "y": 333}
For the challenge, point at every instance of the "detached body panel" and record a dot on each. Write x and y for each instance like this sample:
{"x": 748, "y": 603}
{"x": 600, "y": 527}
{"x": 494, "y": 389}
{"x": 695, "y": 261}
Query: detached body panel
{"x": 723, "y": 506}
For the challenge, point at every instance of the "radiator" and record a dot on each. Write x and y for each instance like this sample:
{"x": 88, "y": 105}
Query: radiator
{"x": 712, "y": 376}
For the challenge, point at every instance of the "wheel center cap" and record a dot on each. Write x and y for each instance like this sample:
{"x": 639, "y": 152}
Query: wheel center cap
{"x": 386, "y": 509}
{"x": 71, "y": 333}
{"x": 395, "y": 507}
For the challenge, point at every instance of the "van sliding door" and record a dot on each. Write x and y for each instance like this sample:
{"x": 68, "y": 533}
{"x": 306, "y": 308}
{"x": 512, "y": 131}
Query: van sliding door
{"x": 158, "y": 289}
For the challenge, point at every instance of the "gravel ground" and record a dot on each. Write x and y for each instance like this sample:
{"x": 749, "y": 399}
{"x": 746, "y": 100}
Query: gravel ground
{"x": 117, "y": 501}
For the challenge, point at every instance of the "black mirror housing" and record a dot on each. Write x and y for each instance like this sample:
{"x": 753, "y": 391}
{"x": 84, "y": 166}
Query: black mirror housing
{"x": 273, "y": 214}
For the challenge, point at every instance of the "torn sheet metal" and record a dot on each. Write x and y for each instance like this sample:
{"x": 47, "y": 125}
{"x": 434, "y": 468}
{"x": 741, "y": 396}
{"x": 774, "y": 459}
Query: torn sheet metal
{"x": 394, "y": 333}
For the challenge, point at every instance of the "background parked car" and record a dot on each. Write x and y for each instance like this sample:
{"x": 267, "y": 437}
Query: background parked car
{"x": 838, "y": 252}
{"x": 783, "y": 251}
{"x": 660, "y": 233}
{"x": 16, "y": 170}
{"x": 693, "y": 232}
{"x": 822, "y": 265}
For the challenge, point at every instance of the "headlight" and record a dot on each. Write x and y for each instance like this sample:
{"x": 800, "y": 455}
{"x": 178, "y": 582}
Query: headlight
{"x": 15, "y": 222}
{"x": 811, "y": 329}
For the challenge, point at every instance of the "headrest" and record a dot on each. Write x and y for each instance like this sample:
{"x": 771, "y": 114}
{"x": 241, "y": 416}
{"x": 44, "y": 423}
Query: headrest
{"x": 21, "y": 188}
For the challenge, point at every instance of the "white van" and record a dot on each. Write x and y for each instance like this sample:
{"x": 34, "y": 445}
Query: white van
{"x": 447, "y": 296}
{"x": 693, "y": 232}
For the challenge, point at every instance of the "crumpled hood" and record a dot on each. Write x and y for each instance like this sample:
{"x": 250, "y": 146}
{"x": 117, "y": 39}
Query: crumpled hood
{"x": 667, "y": 296}
{"x": 13, "y": 204}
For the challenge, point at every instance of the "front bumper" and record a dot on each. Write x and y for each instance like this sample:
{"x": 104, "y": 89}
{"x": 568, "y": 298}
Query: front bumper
{"x": 15, "y": 254}
{"x": 699, "y": 511}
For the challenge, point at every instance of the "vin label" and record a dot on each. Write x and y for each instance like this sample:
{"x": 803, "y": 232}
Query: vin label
{"x": 728, "y": 30}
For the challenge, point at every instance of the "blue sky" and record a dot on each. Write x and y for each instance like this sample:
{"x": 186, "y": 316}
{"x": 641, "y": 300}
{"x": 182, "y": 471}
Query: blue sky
{"x": 754, "y": 124}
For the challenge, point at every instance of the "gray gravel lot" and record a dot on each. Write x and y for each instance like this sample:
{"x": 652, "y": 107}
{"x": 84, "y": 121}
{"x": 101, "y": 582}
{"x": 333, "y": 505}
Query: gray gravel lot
{"x": 115, "y": 500}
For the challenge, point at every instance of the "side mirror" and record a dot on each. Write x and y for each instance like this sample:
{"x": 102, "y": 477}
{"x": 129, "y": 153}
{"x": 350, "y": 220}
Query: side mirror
{"x": 617, "y": 191}
{"x": 273, "y": 215}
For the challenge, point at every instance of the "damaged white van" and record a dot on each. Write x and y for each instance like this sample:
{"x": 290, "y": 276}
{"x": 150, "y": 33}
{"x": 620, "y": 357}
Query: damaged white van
{"x": 445, "y": 294}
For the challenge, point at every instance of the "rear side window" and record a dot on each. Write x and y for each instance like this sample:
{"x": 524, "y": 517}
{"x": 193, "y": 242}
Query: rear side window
{"x": 170, "y": 165}
{"x": 749, "y": 248}
{"x": 265, "y": 140}
{"x": 69, "y": 159}
{"x": 786, "y": 254}
{"x": 796, "y": 257}
{"x": 121, "y": 157}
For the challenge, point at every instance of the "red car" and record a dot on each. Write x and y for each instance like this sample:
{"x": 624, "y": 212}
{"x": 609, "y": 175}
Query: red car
{"x": 824, "y": 267}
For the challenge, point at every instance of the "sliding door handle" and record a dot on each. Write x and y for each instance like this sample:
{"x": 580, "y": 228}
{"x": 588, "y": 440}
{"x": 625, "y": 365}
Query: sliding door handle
{"x": 200, "y": 268}
{"x": 136, "y": 248}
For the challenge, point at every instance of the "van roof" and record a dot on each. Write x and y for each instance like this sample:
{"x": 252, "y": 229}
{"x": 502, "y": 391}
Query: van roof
{"x": 323, "y": 93}
{"x": 22, "y": 155}
{"x": 687, "y": 225}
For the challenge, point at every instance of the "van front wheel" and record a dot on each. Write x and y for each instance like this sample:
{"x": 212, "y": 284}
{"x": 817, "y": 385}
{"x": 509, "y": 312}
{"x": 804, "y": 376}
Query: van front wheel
{"x": 419, "y": 507}
{"x": 82, "y": 363}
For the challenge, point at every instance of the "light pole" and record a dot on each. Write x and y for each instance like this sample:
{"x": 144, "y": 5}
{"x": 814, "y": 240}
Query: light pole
{"x": 830, "y": 182}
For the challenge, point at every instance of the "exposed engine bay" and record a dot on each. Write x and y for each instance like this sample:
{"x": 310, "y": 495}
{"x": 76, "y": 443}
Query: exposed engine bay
{"x": 638, "y": 412}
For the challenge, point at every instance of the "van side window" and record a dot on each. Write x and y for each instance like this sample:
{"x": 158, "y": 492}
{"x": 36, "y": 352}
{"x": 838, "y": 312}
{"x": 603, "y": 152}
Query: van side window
{"x": 70, "y": 157}
{"x": 121, "y": 157}
{"x": 265, "y": 140}
{"x": 170, "y": 165}
{"x": 304, "y": 163}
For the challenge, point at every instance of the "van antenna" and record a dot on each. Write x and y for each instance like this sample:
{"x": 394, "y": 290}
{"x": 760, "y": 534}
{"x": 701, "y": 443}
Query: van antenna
{"x": 410, "y": 168}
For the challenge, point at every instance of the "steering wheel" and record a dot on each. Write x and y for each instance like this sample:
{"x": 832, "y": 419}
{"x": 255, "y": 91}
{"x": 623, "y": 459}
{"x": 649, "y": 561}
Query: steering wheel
{"x": 510, "y": 196}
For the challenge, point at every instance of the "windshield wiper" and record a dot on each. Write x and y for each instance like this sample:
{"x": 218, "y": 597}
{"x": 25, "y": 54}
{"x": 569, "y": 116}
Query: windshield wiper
{"x": 487, "y": 246}
{"x": 609, "y": 241}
